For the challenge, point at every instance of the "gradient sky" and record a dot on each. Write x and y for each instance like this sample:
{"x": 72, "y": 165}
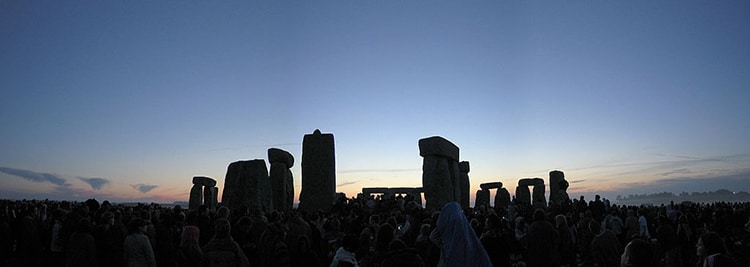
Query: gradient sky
{"x": 128, "y": 100}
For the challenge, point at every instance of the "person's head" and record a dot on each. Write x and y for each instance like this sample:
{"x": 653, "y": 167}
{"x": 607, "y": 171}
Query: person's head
{"x": 636, "y": 254}
{"x": 560, "y": 220}
{"x": 222, "y": 227}
{"x": 108, "y": 218}
{"x": 709, "y": 243}
{"x": 191, "y": 235}
{"x": 425, "y": 229}
{"x": 137, "y": 226}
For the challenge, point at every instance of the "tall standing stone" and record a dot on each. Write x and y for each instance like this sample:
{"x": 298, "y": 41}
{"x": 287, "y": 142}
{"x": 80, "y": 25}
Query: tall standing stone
{"x": 208, "y": 195}
{"x": 554, "y": 184}
{"x": 439, "y": 171}
{"x": 482, "y": 198}
{"x": 318, "y": 172}
{"x": 502, "y": 198}
{"x": 464, "y": 185}
{"x": 196, "y": 197}
{"x": 247, "y": 184}
{"x": 537, "y": 196}
{"x": 282, "y": 182}
{"x": 523, "y": 195}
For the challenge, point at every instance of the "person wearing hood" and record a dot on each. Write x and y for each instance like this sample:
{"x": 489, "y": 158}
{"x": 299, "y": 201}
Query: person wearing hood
{"x": 459, "y": 244}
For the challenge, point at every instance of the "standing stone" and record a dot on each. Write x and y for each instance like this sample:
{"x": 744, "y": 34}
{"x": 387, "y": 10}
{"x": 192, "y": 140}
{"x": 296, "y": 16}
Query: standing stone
{"x": 502, "y": 198}
{"x": 523, "y": 195}
{"x": 464, "y": 185}
{"x": 537, "y": 198}
{"x": 482, "y": 198}
{"x": 196, "y": 197}
{"x": 554, "y": 185}
{"x": 208, "y": 194}
{"x": 212, "y": 200}
{"x": 282, "y": 182}
{"x": 318, "y": 172}
{"x": 247, "y": 184}
{"x": 439, "y": 171}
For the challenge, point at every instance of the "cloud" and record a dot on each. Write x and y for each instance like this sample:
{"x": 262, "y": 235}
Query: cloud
{"x": 37, "y": 177}
{"x": 95, "y": 183}
{"x": 677, "y": 171}
{"x": 576, "y": 181}
{"x": 143, "y": 188}
{"x": 346, "y": 183}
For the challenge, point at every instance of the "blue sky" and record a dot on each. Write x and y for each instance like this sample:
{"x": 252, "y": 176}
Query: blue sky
{"x": 128, "y": 100}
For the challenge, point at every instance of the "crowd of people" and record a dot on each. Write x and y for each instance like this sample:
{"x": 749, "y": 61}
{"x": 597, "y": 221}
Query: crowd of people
{"x": 374, "y": 231}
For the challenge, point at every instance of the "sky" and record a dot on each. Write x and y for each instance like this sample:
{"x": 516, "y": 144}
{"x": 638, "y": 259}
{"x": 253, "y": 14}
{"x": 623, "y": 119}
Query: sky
{"x": 128, "y": 100}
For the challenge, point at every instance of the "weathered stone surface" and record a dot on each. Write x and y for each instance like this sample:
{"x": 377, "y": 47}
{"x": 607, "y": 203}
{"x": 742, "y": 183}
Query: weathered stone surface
{"x": 438, "y": 146}
{"x": 439, "y": 177}
{"x": 282, "y": 182}
{"x": 482, "y": 198}
{"x": 530, "y": 181}
{"x": 196, "y": 197}
{"x": 493, "y": 185}
{"x": 209, "y": 197}
{"x": 204, "y": 181}
{"x": 502, "y": 198}
{"x": 537, "y": 198}
{"x": 523, "y": 195}
{"x": 276, "y": 155}
{"x": 318, "y": 172}
{"x": 463, "y": 184}
{"x": 247, "y": 184}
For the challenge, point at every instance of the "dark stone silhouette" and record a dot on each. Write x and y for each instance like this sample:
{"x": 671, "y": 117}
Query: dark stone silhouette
{"x": 439, "y": 171}
{"x": 558, "y": 187}
{"x": 463, "y": 184}
{"x": 523, "y": 194}
{"x": 502, "y": 196}
{"x": 247, "y": 184}
{"x": 318, "y": 172}
{"x": 282, "y": 182}
{"x": 204, "y": 192}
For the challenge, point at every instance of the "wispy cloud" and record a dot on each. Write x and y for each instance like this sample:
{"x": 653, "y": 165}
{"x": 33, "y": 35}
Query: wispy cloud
{"x": 143, "y": 188}
{"x": 576, "y": 181}
{"x": 38, "y": 177}
{"x": 95, "y": 183}
{"x": 346, "y": 183}
{"x": 677, "y": 171}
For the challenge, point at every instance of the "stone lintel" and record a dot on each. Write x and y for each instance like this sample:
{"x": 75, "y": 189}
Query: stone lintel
{"x": 438, "y": 146}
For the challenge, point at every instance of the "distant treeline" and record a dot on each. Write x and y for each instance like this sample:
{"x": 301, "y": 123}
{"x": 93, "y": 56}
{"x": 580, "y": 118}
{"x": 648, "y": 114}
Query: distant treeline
{"x": 721, "y": 195}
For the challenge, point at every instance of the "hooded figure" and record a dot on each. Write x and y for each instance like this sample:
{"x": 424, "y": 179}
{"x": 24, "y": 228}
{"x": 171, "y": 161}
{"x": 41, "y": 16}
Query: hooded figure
{"x": 459, "y": 245}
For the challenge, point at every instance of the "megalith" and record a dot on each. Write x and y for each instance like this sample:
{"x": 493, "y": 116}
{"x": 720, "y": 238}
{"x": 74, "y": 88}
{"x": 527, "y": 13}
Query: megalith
{"x": 282, "y": 182}
{"x": 523, "y": 195}
{"x": 247, "y": 184}
{"x": 196, "y": 197}
{"x": 537, "y": 196}
{"x": 557, "y": 194}
{"x": 464, "y": 185}
{"x": 318, "y": 172}
{"x": 502, "y": 198}
{"x": 439, "y": 171}
{"x": 482, "y": 198}
{"x": 200, "y": 194}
